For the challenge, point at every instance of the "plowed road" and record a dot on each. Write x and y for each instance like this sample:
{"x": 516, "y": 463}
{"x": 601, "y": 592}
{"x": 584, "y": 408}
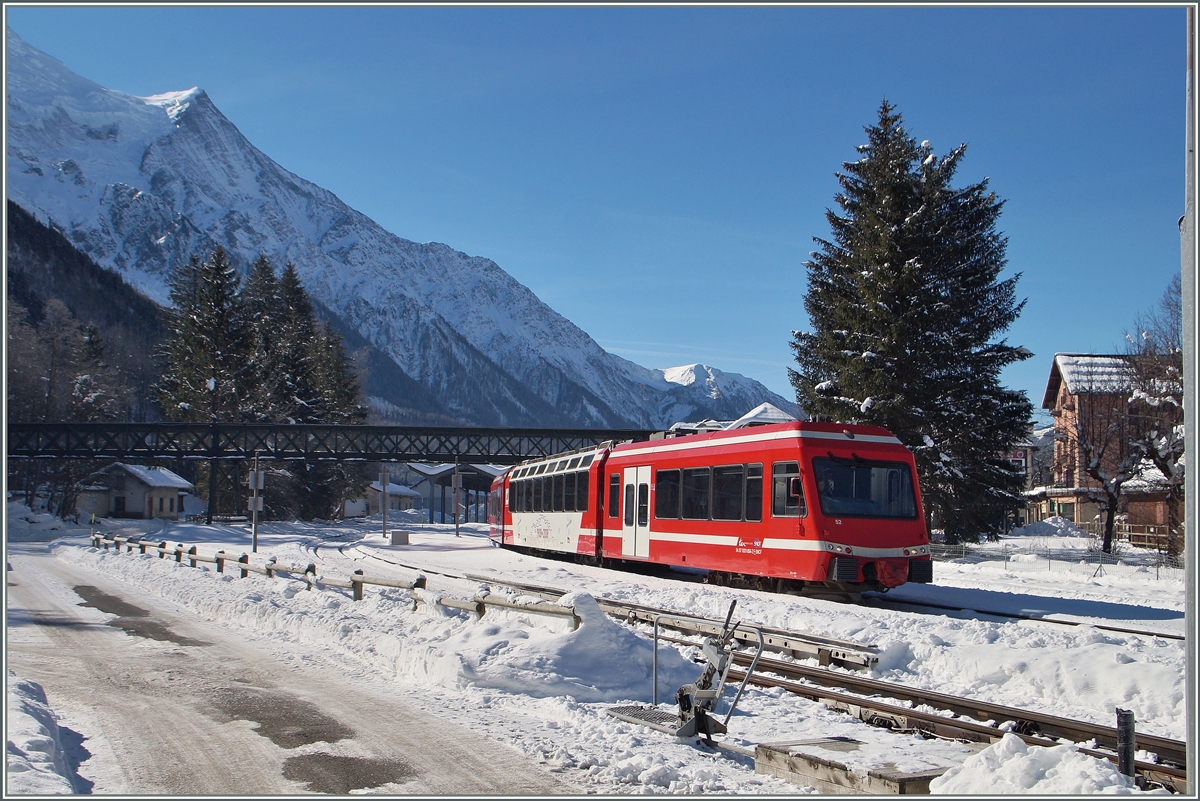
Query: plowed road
{"x": 167, "y": 704}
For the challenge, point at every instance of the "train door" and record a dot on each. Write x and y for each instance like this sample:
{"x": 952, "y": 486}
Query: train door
{"x": 635, "y": 528}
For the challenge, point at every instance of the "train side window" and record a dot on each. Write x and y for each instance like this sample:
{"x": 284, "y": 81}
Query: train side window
{"x": 666, "y": 494}
{"x": 695, "y": 493}
{"x": 614, "y": 495}
{"x": 629, "y": 504}
{"x": 727, "y": 492}
{"x": 556, "y": 502}
{"x": 587, "y": 460}
{"x": 569, "y": 492}
{"x": 787, "y": 494}
{"x": 581, "y": 492}
{"x": 754, "y": 491}
{"x": 527, "y": 495}
{"x": 514, "y": 496}
{"x": 643, "y": 510}
{"x": 537, "y": 494}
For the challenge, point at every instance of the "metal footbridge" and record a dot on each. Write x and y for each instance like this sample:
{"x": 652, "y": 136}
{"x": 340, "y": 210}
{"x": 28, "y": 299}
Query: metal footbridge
{"x": 122, "y": 441}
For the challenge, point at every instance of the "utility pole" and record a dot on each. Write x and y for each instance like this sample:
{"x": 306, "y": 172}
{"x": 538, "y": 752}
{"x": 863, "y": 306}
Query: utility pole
{"x": 383, "y": 499}
{"x": 257, "y": 482}
{"x": 457, "y": 483}
{"x": 1187, "y": 242}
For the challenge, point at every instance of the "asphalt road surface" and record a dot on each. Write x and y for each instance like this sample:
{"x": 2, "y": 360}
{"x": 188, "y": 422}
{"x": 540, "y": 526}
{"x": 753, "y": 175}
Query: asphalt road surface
{"x": 165, "y": 704}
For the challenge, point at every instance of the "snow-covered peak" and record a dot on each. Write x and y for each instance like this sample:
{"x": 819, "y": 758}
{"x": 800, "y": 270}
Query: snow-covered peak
{"x": 141, "y": 184}
{"x": 684, "y": 375}
{"x": 175, "y": 103}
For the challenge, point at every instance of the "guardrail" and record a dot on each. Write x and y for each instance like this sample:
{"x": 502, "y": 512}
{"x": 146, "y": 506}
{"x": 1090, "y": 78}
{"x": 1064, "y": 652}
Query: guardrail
{"x": 355, "y": 583}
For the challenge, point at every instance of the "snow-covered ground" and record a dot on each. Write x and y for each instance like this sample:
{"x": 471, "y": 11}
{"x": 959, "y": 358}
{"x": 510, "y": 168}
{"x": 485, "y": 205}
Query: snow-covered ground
{"x": 487, "y": 673}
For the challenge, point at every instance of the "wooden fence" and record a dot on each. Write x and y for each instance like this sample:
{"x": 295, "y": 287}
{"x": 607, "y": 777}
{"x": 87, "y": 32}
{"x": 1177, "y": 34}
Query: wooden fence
{"x": 355, "y": 583}
{"x": 1139, "y": 535}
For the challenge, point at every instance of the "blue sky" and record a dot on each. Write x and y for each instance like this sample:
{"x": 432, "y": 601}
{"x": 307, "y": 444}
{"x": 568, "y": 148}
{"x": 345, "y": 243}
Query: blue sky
{"x": 657, "y": 175}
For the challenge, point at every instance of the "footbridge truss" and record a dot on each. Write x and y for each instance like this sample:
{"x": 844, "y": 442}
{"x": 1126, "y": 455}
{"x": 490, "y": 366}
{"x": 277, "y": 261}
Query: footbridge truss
{"x": 501, "y": 446}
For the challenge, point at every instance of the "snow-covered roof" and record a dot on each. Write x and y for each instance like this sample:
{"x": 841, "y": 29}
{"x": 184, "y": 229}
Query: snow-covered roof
{"x": 155, "y": 476}
{"x": 1087, "y": 374}
{"x": 761, "y": 415}
{"x": 437, "y": 470}
{"x": 396, "y": 489}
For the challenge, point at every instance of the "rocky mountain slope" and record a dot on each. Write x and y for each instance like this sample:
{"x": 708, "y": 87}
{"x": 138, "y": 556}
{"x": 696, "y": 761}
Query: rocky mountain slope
{"x": 140, "y": 184}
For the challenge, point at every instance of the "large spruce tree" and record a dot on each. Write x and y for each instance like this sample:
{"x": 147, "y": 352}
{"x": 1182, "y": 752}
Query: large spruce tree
{"x": 206, "y": 355}
{"x": 258, "y": 354}
{"x": 905, "y": 308}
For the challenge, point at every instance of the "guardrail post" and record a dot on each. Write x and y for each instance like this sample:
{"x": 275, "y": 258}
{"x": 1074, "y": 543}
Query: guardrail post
{"x": 419, "y": 583}
{"x": 245, "y": 560}
{"x": 162, "y": 550}
{"x": 142, "y": 546}
{"x": 270, "y": 568}
{"x": 357, "y": 581}
{"x": 220, "y": 557}
{"x": 192, "y": 553}
{"x": 310, "y": 575}
{"x": 1126, "y": 742}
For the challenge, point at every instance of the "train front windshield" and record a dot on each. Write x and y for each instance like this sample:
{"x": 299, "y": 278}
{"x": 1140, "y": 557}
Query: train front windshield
{"x": 860, "y": 488}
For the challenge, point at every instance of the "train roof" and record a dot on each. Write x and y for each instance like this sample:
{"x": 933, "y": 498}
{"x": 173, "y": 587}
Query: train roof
{"x": 761, "y": 433}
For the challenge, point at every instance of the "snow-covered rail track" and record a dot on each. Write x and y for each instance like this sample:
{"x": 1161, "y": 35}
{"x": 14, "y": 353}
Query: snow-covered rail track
{"x": 898, "y": 603}
{"x": 873, "y": 710}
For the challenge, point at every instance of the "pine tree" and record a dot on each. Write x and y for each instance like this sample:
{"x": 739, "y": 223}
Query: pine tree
{"x": 262, "y": 306}
{"x": 324, "y": 486}
{"x": 299, "y": 394}
{"x": 206, "y": 360}
{"x": 206, "y": 370}
{"x": 905, "y": 306}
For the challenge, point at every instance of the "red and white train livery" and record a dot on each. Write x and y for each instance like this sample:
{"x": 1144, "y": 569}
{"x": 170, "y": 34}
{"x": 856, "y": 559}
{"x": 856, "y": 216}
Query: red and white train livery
{"x": 780, "y": 506}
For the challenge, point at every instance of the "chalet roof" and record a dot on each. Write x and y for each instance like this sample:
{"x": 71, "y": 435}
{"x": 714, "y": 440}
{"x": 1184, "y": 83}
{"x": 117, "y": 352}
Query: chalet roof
{"x": 155, "y": 476}
{"x": 396, "y": 489}
{"x": 1087, "y": 374}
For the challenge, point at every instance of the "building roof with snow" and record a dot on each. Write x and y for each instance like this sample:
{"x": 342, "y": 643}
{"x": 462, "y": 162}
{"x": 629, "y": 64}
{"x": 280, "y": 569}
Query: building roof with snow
{"x": 1088, "y": 374}
{"x": 762, "y": 415}
{"x": 155, "y": 476}
{"x": 396, "y": 489}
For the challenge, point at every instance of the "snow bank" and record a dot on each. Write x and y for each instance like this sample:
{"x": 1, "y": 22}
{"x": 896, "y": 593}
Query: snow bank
{"x": 1050, "y": 527}
{"x": 601, "y": 661}
{"x": 1011, "y": 766}
{"x": 25, "y": 525}
{"x": 36, "y": 762}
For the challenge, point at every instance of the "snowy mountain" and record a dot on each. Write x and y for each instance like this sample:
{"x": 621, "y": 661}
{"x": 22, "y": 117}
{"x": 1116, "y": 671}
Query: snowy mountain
{"x": 141, "y": 184}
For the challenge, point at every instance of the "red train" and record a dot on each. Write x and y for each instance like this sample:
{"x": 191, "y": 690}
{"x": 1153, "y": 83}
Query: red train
{"x": 789, "y": 507}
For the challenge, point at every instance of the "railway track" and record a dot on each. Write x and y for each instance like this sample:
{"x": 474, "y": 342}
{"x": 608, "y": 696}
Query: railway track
{"x": 873, "y": 701}
{"x": 884, "y": 601}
